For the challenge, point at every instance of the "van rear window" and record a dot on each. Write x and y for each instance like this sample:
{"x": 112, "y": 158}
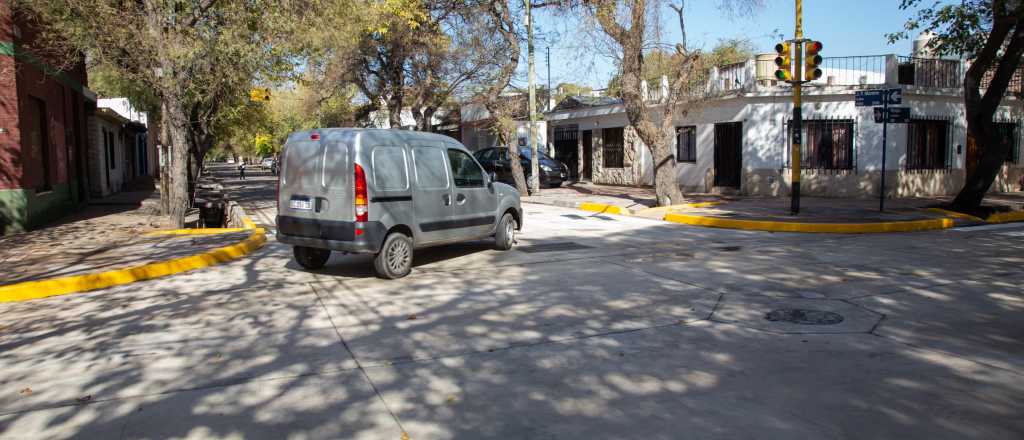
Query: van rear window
{"x": 301, "y": 163}
{"x": 390, "y": 172}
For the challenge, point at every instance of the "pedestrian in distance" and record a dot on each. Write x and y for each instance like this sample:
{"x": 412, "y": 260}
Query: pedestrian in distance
{"x": 241, "y": 171}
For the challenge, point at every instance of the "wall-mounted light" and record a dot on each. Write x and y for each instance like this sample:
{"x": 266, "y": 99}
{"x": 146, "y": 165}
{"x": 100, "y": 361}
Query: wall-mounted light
{"x": 3, "y": 130}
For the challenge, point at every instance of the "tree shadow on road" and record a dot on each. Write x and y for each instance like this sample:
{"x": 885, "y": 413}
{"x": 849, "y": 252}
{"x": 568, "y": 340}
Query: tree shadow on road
{"x": 619, "y": 341}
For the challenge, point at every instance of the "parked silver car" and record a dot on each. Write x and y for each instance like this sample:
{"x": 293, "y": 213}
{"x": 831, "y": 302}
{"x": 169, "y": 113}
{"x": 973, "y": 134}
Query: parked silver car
{"x": 387, "y": 192}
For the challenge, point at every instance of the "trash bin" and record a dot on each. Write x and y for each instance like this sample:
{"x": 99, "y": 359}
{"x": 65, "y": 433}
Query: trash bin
{"x": 211, "y": 213}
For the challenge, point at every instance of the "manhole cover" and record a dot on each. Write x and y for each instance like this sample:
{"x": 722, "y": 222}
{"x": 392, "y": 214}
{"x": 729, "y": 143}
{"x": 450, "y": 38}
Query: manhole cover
{"x": 552, "y": 247}
{"x": 804, "y": 317}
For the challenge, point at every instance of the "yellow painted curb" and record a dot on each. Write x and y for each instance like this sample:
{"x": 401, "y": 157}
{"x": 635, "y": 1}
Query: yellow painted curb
{"x": 833, "y": 228}
{"x": 1006, "y": 217}
{"x": 81, "y": 283}
{"x": 656, "y": 209}
{"x": 955, "y": 214}
{"x": 195, "y": 231}
{"x": 700, "y": 205}
{"x": 607, "y": 209}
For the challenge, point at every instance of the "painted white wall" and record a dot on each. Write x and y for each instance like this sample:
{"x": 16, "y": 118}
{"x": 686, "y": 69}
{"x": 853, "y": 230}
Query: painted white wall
{"x": 100, "y": 161}
{"x": 124, "y": 108}
{"x": 477, "y": 137}
{"x": 765, "y": 143}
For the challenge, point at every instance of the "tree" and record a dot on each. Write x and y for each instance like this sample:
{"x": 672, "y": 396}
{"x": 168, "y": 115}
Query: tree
{"x": 989, "y": 33}
{"x": 500, "y": 19}
{"x": 658, "y": 62}
{"x": 198, "y": 57}
{"x": 564, "y": 90}
{"x": 626, "y": 24}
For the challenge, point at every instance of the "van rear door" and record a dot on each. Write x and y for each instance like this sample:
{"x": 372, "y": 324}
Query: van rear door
{"x": 316, "y": 181}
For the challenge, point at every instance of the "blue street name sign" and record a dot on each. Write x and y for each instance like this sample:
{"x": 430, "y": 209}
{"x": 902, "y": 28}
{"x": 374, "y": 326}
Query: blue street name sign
{"x": 896, "y": 115}
{"x": 871, "y": 98}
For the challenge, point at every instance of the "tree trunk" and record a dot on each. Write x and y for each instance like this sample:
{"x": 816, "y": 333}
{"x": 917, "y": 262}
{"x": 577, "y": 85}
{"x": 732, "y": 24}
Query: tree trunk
{"x": 666, "y": 184}
{"x": 512, "y": 144}
{"x": 989, "y": 164}
{"x": 981, "y": 109}
{"x": 177, "y": 173}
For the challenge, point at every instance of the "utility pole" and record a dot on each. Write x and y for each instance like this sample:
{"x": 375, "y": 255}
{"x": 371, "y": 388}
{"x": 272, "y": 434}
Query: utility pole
{"x": 531, "y": 78}
{"x": 797, "y": 115}
{"x": 548, "y": 62}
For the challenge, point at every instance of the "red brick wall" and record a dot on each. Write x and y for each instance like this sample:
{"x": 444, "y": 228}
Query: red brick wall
{"x": 10, "y": 160}
{"x": 26, "y": 169}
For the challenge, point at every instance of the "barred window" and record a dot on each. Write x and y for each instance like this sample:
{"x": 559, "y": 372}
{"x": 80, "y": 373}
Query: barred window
{"x": 612, "y": 147}
{"x": 1007, "y": 133}
{"x": 927, "y": 144}
{"x": 828, "y": 144}
{"x": 686, "y": 144}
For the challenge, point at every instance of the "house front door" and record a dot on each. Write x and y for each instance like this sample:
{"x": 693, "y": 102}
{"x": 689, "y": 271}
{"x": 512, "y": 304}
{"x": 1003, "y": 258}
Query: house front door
{"x": 728, "y": 154}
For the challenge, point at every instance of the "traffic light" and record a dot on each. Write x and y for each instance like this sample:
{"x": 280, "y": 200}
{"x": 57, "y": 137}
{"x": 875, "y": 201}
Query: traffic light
{"x": 812, "y": 60}
{"x": 259, "y": 94}
{"x": 783, "y": 62}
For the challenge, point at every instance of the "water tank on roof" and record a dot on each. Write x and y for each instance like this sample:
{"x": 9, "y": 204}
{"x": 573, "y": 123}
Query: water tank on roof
{"x": 765, "y": 67}
{"x": 920, "y": 48}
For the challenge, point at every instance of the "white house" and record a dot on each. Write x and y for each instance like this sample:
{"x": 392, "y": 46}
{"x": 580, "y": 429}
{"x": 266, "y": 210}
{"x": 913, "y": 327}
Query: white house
{"x": 120, "y": 148}
{"x": 478, "y": 132}
{"x": 737, "y": 141}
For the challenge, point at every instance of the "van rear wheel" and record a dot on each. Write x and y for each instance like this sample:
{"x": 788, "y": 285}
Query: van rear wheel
{"x": 395, "y": 257}
{"x": 505, "y": 236}
{"x": 311, "y": 258}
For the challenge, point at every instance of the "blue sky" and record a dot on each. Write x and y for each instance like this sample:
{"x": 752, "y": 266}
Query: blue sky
{"x": 845, "y": 27}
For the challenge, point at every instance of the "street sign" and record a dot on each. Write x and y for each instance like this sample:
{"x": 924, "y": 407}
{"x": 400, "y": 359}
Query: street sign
{"x": 870, "y": 98}
{"x": 896, "y": 115}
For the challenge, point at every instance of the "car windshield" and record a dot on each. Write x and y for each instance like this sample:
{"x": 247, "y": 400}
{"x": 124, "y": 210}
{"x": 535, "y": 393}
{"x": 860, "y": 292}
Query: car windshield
{"x": 525, "y": 153}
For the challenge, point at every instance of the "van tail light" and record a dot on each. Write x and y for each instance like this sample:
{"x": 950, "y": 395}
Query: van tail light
{"x": 361, "y": 202}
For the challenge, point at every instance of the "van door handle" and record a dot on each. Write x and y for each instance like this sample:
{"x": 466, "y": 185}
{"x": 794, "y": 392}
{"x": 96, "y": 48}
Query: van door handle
{"x": 447, "y": 199}
{"x": 460, "y": 199}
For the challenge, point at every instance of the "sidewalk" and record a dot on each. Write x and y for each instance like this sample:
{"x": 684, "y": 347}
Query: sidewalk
{"x": 96, "y": 232}
{"x": 761, "y": 213}
{"x": 112, "y": 238}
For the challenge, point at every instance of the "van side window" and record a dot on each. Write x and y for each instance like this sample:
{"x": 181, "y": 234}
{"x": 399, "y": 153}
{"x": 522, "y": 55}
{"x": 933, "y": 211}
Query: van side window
{"x": 389, "y": 170}
{"x": 465, "y": 171}
{"x": 431, "y": 173}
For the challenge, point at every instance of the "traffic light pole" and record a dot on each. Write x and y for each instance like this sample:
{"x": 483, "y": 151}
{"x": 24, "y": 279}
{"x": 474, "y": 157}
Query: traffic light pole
{"x": 797, "y": 115}
{"x": 885, "y": 131}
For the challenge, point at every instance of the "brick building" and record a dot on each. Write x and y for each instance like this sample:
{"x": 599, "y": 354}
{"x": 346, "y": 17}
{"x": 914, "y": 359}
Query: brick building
{"x": 44, "y": 106}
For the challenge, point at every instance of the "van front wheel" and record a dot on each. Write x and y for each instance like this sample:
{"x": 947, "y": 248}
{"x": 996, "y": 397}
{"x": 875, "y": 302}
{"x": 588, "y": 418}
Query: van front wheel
{"x": 311, "y": 258}
{"x": 505, "y": 236}
{"x": 395, "y": 257}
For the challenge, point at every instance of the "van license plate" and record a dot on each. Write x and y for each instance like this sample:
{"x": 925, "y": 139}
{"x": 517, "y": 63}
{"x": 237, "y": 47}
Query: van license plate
{"x": 304, "y": 204}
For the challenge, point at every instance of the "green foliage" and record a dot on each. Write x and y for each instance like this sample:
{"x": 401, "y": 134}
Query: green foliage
{"x": 659, "y": 62}
{"x": 960, "y": 28}
{"x": 107, "y": 82}
{"x": 731, "y": 51}
{"x": 570, "y": 89}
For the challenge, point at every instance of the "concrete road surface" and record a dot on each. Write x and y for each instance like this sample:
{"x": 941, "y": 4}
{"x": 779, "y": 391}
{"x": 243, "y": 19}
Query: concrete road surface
{"x": 594, "y": 326}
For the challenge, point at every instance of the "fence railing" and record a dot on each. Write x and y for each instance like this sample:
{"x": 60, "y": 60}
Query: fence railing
{"x": 853, "y": 70}
{"x": 930, "y": 72}
{"x": 1016, "y": 85}
{"x": 733, "y": 77}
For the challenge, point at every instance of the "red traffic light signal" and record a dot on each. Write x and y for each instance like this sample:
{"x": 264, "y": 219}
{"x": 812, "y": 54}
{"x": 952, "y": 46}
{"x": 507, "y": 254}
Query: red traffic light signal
{"x": 812, "y": 60}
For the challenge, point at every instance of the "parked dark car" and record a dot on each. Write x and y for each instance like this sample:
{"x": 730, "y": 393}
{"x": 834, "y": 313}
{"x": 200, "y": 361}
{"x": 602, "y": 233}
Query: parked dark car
{"x": 495, "y": 160}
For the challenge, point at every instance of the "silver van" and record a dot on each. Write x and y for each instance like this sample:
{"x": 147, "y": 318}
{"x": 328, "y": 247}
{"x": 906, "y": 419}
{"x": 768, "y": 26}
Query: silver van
{"x": 387, "y": 192}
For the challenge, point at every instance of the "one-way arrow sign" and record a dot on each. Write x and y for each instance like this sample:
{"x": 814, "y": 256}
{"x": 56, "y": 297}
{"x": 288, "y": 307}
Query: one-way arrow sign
{"x": 869, "y": 98}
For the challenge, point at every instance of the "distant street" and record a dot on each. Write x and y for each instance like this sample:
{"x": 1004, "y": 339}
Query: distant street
{"x": 594, "y": 326}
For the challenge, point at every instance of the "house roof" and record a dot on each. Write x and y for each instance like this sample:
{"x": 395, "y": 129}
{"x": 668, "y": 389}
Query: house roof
{"x": 575, "y": 102}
